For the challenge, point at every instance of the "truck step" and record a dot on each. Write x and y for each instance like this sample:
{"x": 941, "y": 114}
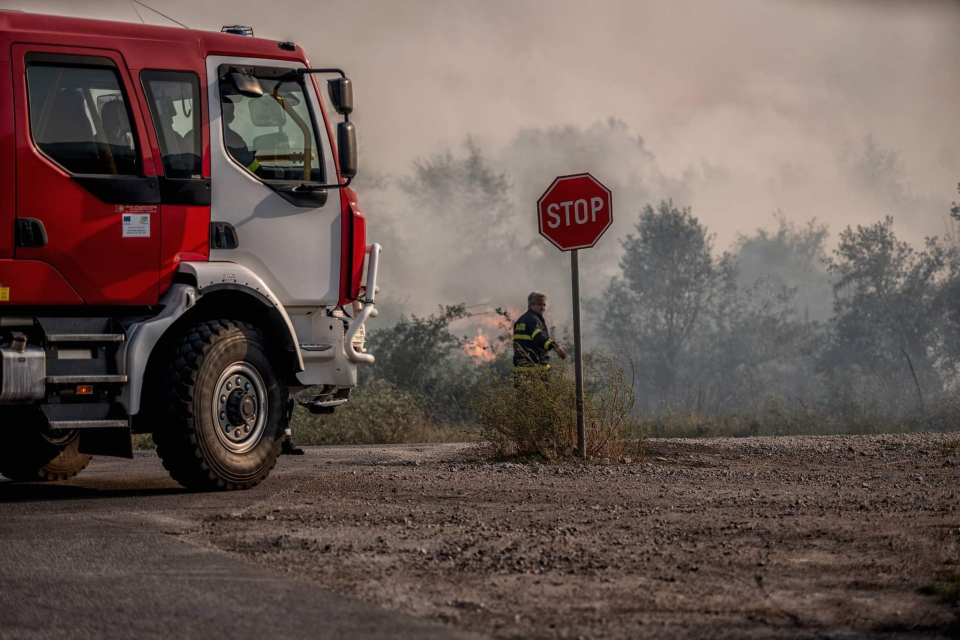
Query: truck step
{"x": 105, "y": 426}
{"x": 316, "y": 347}
{"x": 85, "y": 337}
{"x": 93, "y": 415}
{"x": 87, "y": 424}
{"x": 322, "y": 406}
{"x": 81, "y": 329}
{"x": 86, "y": 379}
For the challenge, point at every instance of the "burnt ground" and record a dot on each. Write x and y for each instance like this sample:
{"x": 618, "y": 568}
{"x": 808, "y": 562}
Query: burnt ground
{"x": 790, "y": 537}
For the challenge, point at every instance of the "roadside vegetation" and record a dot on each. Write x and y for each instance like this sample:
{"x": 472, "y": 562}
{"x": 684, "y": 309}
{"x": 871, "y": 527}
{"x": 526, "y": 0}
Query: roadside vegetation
{"x": 946, "y": 589}
{"x": 536, "y": 416}
{"x": 781, "y": 334}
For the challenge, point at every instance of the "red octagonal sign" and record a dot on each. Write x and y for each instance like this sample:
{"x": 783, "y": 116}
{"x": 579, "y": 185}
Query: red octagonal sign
{"x": 575, "y": 211}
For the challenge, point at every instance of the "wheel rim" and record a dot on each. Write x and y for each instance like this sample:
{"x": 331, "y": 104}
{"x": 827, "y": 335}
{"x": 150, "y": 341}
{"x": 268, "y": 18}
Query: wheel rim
{"x": 240, "y": 407}
{"x": 59, "y": 438}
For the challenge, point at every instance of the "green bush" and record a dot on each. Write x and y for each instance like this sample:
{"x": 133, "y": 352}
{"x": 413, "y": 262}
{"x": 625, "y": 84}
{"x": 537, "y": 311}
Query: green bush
{"x": 143, "y": 442}
{"x": 536, "y": 416}
{"x": 378, "y": 413}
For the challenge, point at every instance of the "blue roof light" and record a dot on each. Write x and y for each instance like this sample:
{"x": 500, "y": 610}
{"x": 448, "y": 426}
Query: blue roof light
{"x": 236, "y": 29}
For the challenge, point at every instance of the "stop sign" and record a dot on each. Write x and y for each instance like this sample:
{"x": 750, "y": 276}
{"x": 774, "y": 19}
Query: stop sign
{"x": 575, "y": 211}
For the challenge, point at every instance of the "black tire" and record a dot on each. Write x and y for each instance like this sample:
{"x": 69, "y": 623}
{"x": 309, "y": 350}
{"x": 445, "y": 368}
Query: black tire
{"x": 27, "y": 455}
{"x": 191, "y": 440}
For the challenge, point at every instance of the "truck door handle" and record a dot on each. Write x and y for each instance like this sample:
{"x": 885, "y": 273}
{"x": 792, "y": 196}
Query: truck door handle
{"x": 223, "y": 236}
{"x": 31, "y": 233}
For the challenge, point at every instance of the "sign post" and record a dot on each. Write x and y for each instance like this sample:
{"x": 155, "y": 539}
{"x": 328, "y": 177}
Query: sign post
{"x": 577, "y": 351}
{"x": 572, "y": 214}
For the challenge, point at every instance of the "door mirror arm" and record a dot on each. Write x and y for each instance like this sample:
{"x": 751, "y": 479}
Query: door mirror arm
{"x": 341, "y": 95}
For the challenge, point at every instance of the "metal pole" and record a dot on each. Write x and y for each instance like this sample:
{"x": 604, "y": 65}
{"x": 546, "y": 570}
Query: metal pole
{"x": 578, "y": 352}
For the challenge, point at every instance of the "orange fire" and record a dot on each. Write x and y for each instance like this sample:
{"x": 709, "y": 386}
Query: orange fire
{"x": 479, "y": 348}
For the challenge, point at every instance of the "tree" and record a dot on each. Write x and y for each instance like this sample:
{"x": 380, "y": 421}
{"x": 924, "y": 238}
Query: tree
{"x": 457, "y": 210}
{"x": 886, "y": 298}
{"x": 793, "y": 257}
{"x": 459, "y": 191}
{"x": 416, "y": 355}
{"x": 660, "y": 304}
{"x": 955, "y": 208}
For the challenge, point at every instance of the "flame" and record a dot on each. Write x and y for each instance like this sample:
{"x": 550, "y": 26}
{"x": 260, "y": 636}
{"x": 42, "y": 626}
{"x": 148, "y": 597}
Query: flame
{"x": 479, "y": 348}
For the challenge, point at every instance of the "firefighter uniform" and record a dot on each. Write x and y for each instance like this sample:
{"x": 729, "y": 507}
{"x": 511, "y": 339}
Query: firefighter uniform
{"x": 531, "y": 344}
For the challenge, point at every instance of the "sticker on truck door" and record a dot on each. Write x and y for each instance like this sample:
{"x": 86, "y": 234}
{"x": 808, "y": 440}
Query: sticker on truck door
{"x": 136, "y": 219}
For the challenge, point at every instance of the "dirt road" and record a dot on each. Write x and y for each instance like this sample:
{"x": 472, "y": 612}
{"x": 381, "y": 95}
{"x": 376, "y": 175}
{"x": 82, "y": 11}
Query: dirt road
{"x": 765, "y": 537}
{"x": 101, "y": 557}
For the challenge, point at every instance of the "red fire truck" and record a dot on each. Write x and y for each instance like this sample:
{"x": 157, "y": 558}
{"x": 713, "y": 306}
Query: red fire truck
{"x": 180, "y": 250}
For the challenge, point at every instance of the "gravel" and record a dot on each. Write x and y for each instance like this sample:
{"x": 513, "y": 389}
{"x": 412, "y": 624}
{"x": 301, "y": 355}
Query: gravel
{"x": 728, "y": 538}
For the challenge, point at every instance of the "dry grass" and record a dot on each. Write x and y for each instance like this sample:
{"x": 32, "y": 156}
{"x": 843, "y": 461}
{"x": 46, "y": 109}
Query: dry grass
{"x": 777, "y": 417}
{"x": 536, "y": 416}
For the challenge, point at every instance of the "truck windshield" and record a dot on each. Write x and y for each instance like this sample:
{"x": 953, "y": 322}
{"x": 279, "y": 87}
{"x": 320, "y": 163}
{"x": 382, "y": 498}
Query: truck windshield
{"x": 273, "y": 135}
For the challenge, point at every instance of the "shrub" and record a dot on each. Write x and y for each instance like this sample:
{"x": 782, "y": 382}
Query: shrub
{"x": 536, "y": 416}
{"x": 378, "y": 413}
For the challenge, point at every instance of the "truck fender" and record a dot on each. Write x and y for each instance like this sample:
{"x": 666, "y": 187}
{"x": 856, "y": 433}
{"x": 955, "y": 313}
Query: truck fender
{"x": 197, "y": 279}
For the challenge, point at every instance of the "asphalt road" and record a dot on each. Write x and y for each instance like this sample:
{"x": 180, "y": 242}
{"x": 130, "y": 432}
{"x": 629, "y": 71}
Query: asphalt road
{"x": 100, "y": 557}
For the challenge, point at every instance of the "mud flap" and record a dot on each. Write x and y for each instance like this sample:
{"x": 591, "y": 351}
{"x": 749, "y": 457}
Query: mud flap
{"x": 107, "y": 442}
{"x": 104, "y": 428}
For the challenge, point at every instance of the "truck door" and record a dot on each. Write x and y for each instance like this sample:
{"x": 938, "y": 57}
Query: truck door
{"x": 86, "y": 203}
{"x": 269, "y": 155}
{"x": 174, "y": 101}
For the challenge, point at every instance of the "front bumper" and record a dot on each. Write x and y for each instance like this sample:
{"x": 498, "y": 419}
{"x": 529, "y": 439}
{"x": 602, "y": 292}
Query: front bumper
{"x": 355, "y": 333}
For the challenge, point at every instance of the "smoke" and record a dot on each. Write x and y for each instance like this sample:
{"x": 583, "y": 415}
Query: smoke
{"x": 844, "y": 112}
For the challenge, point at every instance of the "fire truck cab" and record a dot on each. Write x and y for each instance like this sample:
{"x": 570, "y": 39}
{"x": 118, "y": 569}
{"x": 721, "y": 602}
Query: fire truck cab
{"x": 180, "y": 250}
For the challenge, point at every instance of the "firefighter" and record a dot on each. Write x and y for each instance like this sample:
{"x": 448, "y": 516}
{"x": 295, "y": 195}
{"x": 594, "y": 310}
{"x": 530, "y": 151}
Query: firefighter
{"x": 531, "y": 340}
{"x": 290, "y": 449}
{"x": 234, "y": 142}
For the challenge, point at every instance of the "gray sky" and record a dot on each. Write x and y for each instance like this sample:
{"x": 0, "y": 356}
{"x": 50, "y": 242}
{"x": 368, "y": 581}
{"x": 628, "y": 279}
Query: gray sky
{"x": 752, "y": 106}
{"x": 706, "y": 80}
{"x": 749, "y": 86}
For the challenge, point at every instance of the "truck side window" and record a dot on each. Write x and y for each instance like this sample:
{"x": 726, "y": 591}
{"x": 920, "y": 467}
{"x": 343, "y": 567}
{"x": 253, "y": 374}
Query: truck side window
{"x": 273, "y": 135}
{"x": 173, "y": 98}
{"x": 80, "y": 120}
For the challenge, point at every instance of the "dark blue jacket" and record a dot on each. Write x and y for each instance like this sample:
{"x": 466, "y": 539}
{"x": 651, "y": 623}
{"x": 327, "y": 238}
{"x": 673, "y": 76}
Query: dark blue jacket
{"x": 531, "y": 342}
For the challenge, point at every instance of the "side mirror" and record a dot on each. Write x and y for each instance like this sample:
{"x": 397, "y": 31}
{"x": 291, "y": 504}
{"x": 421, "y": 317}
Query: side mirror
{"x": 341, "y": 94}
{"x": 245, "y": 85}
{"x": 347, "y": 149}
